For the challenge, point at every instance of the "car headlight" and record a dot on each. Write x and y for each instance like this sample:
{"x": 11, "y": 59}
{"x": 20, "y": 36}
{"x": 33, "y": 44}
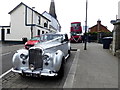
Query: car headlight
{"x": 31, "y": 67}
{"x": 23, "y": 56}
{"x": 47, "y": 57}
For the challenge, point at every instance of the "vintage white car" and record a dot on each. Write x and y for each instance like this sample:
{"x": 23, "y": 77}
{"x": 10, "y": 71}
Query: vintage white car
{"x": 47, "y": 58}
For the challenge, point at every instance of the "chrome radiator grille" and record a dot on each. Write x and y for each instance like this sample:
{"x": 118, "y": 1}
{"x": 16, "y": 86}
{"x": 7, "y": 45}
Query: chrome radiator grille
{"x": 35, "y": 58}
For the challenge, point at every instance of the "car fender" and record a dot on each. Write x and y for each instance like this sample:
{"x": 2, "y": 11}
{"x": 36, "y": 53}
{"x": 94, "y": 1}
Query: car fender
{"x": 69, "y": 46}
{"x": 16, "y": 60}
{"x": 57, "y": 60}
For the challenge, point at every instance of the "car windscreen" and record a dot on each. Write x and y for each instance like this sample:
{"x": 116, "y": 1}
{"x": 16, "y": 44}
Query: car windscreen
{"x": 48, "y": 37}
{"x": 35, "y": 38}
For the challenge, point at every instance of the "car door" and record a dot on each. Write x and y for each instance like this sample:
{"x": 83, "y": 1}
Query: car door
{"x": 65, "y": 47}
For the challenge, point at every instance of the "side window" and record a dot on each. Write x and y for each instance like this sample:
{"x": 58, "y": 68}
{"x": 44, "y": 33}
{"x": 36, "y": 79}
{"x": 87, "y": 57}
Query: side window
{"x": 39, "y": 19}
{"x": 8, "y": 31}
{"x": 42, "y": 32}
{"x": 38, "y": 32}
{"x": 46, "y": 24}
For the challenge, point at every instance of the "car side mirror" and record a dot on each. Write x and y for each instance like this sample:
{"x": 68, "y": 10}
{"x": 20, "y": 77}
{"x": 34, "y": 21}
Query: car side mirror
{"x": 64, "y": 40}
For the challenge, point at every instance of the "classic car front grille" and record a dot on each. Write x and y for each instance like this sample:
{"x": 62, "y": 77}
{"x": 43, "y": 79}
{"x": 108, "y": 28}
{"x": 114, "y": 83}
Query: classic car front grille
{"x": 35, "y": 58}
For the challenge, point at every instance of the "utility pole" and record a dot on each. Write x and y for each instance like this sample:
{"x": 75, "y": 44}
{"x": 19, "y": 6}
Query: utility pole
{"x": 85, "y": 34}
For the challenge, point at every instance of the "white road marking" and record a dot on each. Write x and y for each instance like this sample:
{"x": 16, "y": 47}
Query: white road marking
{"x": 5, "y": 73}
{"x": 6, "y": 53}
{"x": 70, "y": 78}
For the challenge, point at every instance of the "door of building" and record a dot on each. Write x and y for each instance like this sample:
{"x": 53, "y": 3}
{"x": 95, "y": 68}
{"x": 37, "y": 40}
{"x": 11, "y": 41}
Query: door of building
{"x": 2, "y": 34}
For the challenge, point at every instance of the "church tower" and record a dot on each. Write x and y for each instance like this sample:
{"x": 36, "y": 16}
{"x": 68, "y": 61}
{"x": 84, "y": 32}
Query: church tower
{"x": 52, "y": 9}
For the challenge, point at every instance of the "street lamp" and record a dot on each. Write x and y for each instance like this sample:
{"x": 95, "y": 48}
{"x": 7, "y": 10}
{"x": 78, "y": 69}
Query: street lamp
{"x": 85, "y": 35}
{"x": 32, "y": 23}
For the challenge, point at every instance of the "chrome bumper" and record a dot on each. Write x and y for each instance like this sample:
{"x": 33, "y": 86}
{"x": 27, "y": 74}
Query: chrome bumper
{"x": 44, "y": 72}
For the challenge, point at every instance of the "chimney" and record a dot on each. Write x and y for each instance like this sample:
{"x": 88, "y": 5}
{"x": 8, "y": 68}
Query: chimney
{"x": 98, "y": 22}
{"x": 98, "y": 25}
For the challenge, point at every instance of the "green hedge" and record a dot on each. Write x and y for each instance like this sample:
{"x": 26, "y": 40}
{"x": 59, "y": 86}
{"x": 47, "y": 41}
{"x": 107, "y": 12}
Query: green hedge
{"x": 94, "y": 35}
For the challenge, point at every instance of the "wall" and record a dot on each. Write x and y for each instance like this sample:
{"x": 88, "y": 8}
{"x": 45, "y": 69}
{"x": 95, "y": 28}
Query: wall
{"x": 54, "y": 23}
{"x": 38, "y": 20}
{"x": 18, "y": 28}
{"x": 5, "y": 31}
{"x": 116, "y": 35}
{"x": 21, "y": 20}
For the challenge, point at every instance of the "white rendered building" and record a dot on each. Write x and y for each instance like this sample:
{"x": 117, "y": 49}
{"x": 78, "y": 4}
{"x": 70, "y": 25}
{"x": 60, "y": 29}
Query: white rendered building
{"x": 25, "y": 23}
{"x": 54, "y": 24}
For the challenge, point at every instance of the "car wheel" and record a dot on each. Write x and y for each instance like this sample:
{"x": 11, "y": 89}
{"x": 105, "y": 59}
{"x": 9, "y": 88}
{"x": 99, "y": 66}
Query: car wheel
{"x": 69, "y": 52}
{"x": 61, "y": 71}
{"x": 22, "y": 75}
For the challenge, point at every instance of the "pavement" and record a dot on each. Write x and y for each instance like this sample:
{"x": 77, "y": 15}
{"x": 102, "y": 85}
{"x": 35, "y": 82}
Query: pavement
{"x": 93, "y": 68}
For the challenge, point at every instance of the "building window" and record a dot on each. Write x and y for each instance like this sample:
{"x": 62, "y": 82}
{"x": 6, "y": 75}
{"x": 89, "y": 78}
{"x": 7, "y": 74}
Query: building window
{"x": 38, "y": 32}
{"x": 8, "y": 31}
{"x": 46, "y": 24}
{"x": 42, "y": 32}
{"x": 39, "y": 19}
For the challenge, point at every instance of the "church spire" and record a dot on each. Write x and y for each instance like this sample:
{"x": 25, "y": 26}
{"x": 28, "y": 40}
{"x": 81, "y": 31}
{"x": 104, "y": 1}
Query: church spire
{"x": 52, "y": 9}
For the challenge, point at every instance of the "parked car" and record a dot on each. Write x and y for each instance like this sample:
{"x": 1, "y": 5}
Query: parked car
{"x": 46, "y": 58}
{"x": 32, "y": 42}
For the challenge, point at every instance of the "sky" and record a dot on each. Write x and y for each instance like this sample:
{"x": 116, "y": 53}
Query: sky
{"x": 68, "y": 11}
